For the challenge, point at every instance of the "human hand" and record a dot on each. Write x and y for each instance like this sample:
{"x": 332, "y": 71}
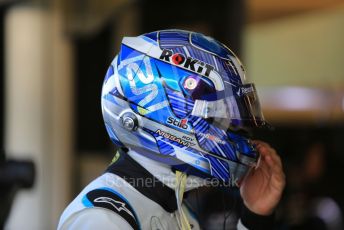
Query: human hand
{"x": 262, "y": 188}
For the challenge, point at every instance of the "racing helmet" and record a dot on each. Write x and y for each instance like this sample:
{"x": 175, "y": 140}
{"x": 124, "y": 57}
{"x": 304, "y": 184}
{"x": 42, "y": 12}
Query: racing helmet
{"x": 179, "y": 97}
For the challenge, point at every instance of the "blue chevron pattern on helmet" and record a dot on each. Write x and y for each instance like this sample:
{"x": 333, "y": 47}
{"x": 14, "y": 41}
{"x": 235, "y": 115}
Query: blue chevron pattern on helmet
{"x": 212, "y": 138}
{"x": 180, "y": 105}
{"x": 162, "y": 142}
{"x": 174, "y": 38}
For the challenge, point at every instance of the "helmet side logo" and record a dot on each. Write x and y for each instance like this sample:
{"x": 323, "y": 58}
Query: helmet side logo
{"x": 178, "y": 123}
{"x": 189, "y": 63}
{"x": 143, "y": 89}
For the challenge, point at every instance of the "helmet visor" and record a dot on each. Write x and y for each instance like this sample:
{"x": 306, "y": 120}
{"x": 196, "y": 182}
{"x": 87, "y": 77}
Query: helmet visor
{"x": 239, "y": 108}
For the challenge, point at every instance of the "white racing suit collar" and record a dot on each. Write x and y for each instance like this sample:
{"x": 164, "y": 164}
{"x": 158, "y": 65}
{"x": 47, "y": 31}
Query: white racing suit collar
{"x": 164, "y": 173}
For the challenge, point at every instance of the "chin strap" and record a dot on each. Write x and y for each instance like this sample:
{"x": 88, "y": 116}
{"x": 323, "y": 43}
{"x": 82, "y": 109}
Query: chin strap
{"x": 180, "y": 189}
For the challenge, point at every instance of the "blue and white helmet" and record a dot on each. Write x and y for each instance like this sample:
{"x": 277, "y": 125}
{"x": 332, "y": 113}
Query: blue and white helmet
{"x": 177, "y": 97}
